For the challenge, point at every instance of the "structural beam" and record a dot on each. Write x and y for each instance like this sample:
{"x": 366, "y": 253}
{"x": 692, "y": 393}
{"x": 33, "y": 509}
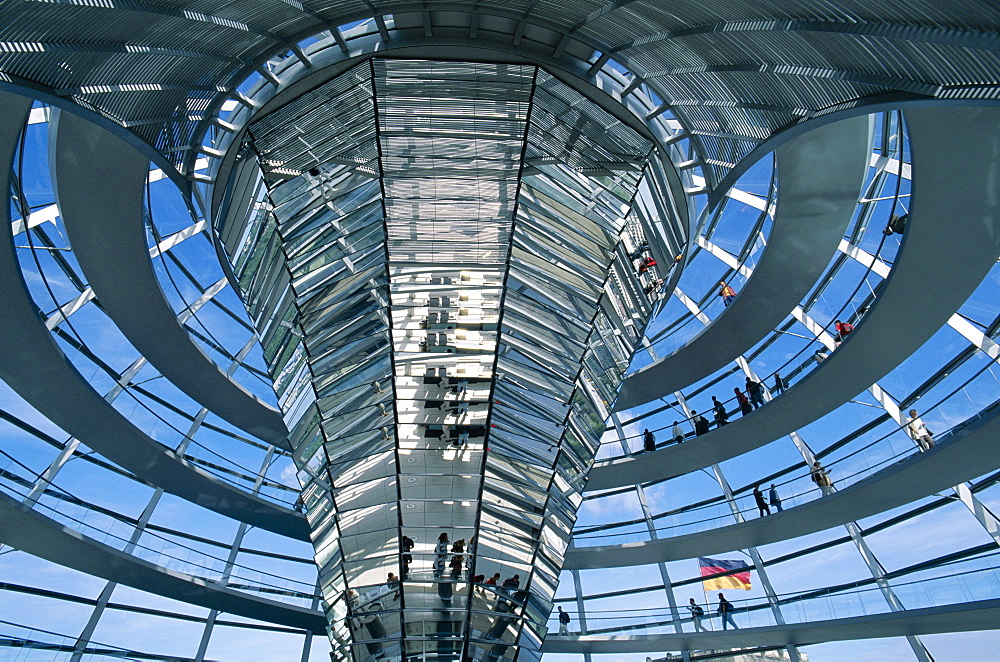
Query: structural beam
{"x": 821, "y": 175}
{"x": 965, "y": 617}
{"x": 102, "y": 210}
{"x": 951, "y": 180}
{"x": 956, "y": 458}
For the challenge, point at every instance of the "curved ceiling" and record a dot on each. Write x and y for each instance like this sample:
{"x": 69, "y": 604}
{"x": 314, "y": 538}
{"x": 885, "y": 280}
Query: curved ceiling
{"x": 733, "y": 73}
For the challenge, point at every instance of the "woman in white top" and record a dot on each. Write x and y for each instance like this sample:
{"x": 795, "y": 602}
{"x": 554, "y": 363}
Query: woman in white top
{"x": 918, "y": 431}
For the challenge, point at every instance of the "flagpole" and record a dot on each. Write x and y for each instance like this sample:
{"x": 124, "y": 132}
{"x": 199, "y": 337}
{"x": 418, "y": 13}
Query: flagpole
{"x": 708, "y": 607}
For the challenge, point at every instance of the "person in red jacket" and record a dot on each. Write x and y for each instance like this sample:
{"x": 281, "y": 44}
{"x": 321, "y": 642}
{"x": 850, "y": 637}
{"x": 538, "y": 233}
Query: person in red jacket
{"x": 727, "y": 293}
{"x": 843, "y": 330}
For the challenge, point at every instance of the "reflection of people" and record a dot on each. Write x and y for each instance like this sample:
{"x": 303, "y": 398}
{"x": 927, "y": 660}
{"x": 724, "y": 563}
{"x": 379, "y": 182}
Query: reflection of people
{"x": 639, "y": 250}
{"x": 442, "y": 553}
{"x": 352, "y": 608}
{"x": 821, "y": 477}
{"x": 696, "y": 613}
{"x": 456, "y": 566}
{"x": 775, "y": 499}
{"x": 563, "y": 621}
{"x": 779, "y": 383}
{"x": 677, "y": 433}
{"x": 472, "y": 553}
{"x": 726, "y": 612}
{"x": 918, "y": 431}
{"x": 727, "y": 293}
{"x": 406, "y": 558}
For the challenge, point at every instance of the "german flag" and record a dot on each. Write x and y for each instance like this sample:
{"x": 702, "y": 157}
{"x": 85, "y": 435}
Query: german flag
{"x": 713, "y": 567}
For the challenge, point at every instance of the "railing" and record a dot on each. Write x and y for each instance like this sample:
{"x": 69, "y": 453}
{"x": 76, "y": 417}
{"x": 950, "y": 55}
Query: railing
{"x": 859, "y": 464}
{"x": 37, "y": 645}
{"x": 63, "y": 508}
{"x": 799, "y": 607}
{"x": 796, "y": 366}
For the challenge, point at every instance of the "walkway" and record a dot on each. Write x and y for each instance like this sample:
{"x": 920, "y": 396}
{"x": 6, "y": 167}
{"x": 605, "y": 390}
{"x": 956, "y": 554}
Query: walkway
{"x": 952, "y": 241}
{"x": 967, "y": 617}
{"x": 101, "y": 183}
{"x": 956, "y": 458}
{"x": 38, "y": 535}
{"x": 34, "y": 366}
{"x": 821, "y": 174}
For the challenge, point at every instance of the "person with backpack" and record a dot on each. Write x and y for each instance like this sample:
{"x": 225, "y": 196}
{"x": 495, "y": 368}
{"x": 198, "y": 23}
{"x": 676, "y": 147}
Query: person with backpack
{"x": 563, "y": 621}
{"x": 721, "y": 415}
{"x": 756, "y": 392}
{"x": 743, "y": 401}
{"x": 727, "y": 293}
{"x": 700, "y": 424}
{"x": 696, "y": 613}
{"x": 725, "y": 612}
{"x": 648, "y": 441}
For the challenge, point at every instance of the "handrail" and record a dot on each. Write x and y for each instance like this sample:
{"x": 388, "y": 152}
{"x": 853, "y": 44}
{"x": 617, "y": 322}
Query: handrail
{"x": 191, "y": 562}
{"x": 804, "y": 357}
{"x": 800, "y": 606}
{"x": 895, "y": 457}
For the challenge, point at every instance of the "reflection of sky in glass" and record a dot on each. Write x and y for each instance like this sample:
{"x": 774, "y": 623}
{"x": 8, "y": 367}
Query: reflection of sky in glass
{"x": 962, "y": 390}
{"x": 951, "y": 380}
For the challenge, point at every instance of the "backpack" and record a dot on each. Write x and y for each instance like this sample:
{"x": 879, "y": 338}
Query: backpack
{"x": 697, "y": 610}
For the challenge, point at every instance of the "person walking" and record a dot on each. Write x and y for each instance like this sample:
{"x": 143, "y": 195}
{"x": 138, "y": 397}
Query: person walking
{"x": 721, "y": 415}
{"x": 456, "y": 566}
{"x": 779, "y": 384}
{"x": 743, "y": 401}
{"x": 756, "y": 392}
{"x": 821, "y": 477}
{"x": 700, "y": 424}
{"x": 677, "y": 433}
{"x": 442, "y": 554}
{"x": 696, "y": 613}
{"x": 563, "y": 621}
{"x": 406, "y": 558}
{"x": 727, "y": 293}
{"x": 510, "y": 584}
{"x": 843, "y": 329}
{"x": 775, "y": 499}
{"x": 648, "y": 441}
{"x": 392, "y": 583}
{"x": 725, "y": 612}
{"x": 918, "y": 431}
{"x": 759, "y": 498}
